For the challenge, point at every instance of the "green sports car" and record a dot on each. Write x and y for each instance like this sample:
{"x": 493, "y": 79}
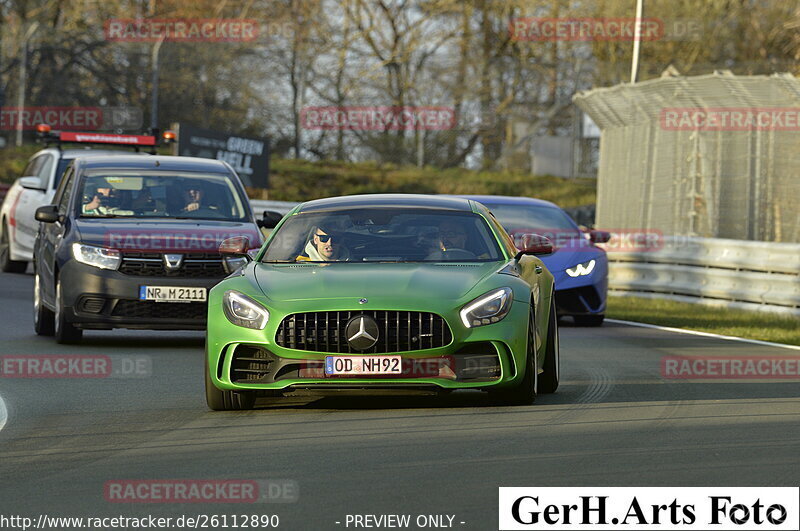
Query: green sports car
{"x": 383, "y": 292}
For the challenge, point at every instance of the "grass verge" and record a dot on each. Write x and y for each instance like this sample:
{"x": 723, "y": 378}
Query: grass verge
{"x": 301, "y": 180}
{"x": 739, "y": 323}
{"x": 13, "y": 160}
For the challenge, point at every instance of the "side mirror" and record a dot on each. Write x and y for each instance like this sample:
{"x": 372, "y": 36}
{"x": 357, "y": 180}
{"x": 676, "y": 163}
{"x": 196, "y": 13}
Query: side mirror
{"x": 599, "y": 236}
{"x": 236, "y": 246}
{"x": 269, "y": 219}
{"x": 234, "y": 253}
{"x": 535, "y": 244}
{"x": 47, "y": 214}
{"x": 31, "y": 183}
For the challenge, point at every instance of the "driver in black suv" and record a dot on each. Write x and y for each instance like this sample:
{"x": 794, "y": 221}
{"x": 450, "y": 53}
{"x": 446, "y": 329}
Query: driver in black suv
{"x": 102, "y": 199}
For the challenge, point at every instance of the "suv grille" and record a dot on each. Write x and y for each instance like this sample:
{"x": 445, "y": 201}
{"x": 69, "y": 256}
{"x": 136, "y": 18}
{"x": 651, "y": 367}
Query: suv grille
{"x": 399, "y": 331}
{"x": 195, "y": 265}
{"x": 160, "y": 310}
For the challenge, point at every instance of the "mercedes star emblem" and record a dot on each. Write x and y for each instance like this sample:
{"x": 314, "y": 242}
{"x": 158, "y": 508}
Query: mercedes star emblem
{"x": 362, "y": 332}
{"x": 363, "y": 301}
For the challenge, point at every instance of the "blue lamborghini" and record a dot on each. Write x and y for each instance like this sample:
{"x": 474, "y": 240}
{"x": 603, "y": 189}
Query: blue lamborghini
{"x": 579, "y": 266}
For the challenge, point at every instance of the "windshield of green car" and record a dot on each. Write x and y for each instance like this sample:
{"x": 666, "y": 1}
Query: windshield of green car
{"x": 144, "y": 194}
{"x": 384, "y": 235}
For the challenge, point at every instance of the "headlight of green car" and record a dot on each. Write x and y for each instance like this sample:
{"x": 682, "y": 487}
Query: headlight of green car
{"x": 487, "y": 309}
{"x": 241, "y": 310}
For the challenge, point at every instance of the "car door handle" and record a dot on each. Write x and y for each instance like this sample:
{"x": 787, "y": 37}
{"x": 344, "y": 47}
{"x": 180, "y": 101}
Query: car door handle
{"x": 538, "y": 269}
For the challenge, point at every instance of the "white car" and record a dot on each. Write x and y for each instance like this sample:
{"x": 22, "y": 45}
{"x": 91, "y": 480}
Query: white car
{"x": 36, "y": 188}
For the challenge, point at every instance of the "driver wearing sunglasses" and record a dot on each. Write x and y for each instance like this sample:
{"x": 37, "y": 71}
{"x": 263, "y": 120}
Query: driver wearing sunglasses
{"x": 324, "y": 246}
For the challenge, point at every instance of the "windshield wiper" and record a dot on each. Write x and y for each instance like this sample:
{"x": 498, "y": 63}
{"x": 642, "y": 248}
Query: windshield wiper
{"x": 89, "y": 216}
{"x": 201, "y": 219}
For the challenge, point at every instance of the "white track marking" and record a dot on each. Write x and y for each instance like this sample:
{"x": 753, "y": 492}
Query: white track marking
{"x": 704, "y": 334}
{"x": 3, "y": 413}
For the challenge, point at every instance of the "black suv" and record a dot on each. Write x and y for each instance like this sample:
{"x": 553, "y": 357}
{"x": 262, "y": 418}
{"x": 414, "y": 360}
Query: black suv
{"x": 133, "y": 242}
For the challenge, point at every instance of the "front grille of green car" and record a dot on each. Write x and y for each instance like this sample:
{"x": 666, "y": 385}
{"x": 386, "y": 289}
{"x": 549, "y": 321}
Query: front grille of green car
{"x": 399, "y": 331}
{"x": 250, "y": 364}
{"x": 255, "y": 364}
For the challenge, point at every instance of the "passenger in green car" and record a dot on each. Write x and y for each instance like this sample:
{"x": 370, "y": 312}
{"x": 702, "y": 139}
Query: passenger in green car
{"x": 452, "y": 235}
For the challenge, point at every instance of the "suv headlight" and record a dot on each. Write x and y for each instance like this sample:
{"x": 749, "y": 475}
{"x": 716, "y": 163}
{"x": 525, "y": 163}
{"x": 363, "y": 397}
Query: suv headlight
{"x": 487, "y": 309}
{"x": 96, "y": 256}
{"x": 581, "y": 269}
{"x": 241, "y": 310}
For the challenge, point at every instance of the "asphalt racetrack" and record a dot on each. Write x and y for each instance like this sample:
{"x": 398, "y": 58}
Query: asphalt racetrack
{"x": 614, "y": 422}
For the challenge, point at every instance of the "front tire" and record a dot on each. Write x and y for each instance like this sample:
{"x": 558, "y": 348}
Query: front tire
{"x": 43, "y": 318}
{"x": 524, "y": 393}
{"x": 65, "y": 332}
{"x": 7, "y": 265}
{"x": 548, "y": 380}
{"x": 219, "y": 400}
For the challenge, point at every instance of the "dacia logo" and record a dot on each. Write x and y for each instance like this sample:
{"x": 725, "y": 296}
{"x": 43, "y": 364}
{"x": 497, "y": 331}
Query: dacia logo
{"x": 173, "y": 262}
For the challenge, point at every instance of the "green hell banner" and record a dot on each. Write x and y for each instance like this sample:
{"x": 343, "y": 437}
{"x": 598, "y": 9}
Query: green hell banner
{"x": 248, "y": 156}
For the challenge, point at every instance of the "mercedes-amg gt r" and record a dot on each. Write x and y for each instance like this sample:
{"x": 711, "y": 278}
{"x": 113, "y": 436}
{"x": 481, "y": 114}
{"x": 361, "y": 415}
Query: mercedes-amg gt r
{"x": 384, "y": 291}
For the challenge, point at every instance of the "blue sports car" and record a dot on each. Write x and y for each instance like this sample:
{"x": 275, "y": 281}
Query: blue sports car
{"x": 579, "y": 266}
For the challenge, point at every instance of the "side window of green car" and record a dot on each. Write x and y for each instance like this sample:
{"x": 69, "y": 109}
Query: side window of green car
{"x": 505, "y": 240}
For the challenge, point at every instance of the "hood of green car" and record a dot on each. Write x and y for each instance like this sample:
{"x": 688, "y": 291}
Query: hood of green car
{"x": 348, "y": 280}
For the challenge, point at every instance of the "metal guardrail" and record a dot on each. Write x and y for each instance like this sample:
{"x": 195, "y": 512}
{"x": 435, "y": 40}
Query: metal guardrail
{"x": 757, "y": 275}
{"x": 737, "y": 273}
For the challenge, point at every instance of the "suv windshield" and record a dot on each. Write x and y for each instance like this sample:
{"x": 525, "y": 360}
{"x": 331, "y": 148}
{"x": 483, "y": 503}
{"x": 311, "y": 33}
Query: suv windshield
{"x": 384, "y": 235}
{"x": 185, "y": 195}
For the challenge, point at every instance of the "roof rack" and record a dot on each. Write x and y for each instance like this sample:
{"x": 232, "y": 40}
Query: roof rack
{"x": 49, "y": 137}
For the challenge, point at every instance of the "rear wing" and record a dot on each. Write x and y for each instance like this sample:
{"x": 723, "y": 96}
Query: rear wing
{"x": 57, "y": 138}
